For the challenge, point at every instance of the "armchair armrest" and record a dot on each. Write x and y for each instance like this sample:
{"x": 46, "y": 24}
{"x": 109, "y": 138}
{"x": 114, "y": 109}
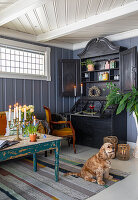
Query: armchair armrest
{"x": 59, "y": 122}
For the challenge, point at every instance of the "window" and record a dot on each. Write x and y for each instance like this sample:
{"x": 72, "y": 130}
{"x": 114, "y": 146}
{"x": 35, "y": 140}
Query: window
{"x": 23, "y": 63}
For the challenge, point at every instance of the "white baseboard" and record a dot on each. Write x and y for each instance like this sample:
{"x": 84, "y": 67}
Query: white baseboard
{"x": 132, "y": 144}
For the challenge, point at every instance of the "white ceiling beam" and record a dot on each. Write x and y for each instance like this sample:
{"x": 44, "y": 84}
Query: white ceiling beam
{"x": 32, "y": 38}
{"x": 91, "y": 21}
{"x": 115, "y": 37}
{"x": 17, "y": 9}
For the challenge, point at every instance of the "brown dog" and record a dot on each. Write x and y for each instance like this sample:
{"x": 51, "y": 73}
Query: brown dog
{"x": 98, "y": 165}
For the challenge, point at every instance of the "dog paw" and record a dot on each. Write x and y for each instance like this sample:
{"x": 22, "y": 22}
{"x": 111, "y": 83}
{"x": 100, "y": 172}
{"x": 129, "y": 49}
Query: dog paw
{"x": 101, "y": 182}
{"x": 110, "y": 178}
{"x": 93, "y": 180}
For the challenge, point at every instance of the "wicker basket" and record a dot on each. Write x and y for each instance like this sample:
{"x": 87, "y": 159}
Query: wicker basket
{"x": 111, "y": 139}
{"x": 123, "y": 152}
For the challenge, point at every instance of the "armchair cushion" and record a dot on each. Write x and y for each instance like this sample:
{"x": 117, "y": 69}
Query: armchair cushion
{"x": 63, "y": 132}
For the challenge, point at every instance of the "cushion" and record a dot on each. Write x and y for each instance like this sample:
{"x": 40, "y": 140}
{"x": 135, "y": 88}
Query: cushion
{"x": 63, "y": 132}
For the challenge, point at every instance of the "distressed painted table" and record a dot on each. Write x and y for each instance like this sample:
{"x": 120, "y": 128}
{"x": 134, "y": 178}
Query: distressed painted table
{"x": 25, "y": 147}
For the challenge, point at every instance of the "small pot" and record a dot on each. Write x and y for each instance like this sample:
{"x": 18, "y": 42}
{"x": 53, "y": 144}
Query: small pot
{"x": 32, "y": 137}
{"x": 90, "y": 67}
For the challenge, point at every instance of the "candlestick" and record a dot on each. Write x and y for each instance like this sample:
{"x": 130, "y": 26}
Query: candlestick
{"x": 81, "y": 88}
{"x": 24, "y": 112}
{"x": 75, "y": 90}
{"x": 34, "y": 120}
{"x": 20, "y": 113}
{"x": 9, "y": 113}
{"x": 14, "y": 117}
{"x": 17, "y": 114}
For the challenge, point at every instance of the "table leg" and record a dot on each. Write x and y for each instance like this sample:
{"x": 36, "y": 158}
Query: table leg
{"x": 34, "y": 162}
{"x": 57, "y": 160}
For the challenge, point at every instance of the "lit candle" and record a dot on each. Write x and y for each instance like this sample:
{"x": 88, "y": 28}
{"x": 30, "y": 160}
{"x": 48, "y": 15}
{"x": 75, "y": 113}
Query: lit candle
{"x": 81, "y": 88}
{"x": 17, "y": 114}
{"x": 14, "y": 117}
{"x": 9, "y": 112}
{"x": 34, "y": 120}
{"x": 75, "y": 90}
{"x": 24, "y": 112}
{"x": 20, "y": 113}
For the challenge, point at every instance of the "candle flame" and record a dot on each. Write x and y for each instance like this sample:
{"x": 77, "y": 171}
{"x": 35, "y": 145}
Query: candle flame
{"x": 75, "y": 86}
{"x": 9, "y": 106}
{"x": 81, "y": 84}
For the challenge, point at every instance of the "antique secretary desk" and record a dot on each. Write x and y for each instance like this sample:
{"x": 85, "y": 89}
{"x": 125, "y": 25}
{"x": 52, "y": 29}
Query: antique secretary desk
{"x": 118, "y": 65}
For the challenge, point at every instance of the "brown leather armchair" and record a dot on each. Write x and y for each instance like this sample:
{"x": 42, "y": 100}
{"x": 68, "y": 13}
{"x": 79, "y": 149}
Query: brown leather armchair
{"x": 66, "y": 131}
{"x": 3, "y": 123}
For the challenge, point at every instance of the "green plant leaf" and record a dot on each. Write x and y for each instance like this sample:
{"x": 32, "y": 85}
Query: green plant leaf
{"x": 120, "y": 108}
{"x": 125, "y": 98}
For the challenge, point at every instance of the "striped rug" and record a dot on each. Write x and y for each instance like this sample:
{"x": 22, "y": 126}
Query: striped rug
{"x": 18, "y": 181}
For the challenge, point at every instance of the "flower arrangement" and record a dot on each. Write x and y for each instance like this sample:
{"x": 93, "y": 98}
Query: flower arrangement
{"x": 28, "y": 111}
{"x": 30, "y": 128}
{"x": 91, "y": 107}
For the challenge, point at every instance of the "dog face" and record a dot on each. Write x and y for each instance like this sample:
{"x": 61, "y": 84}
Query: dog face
{"x": 107, "y": 151}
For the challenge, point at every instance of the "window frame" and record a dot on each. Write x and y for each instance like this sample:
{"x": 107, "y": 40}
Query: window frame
{"x": 47, "y": 71}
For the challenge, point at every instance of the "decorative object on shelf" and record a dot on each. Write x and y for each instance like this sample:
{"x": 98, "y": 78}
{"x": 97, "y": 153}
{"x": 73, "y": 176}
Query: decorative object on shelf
{"x": 127, "y": 101}
{"x": 100, "y": 76}
{"x": 92, "y": 109}
{"x": 105, "y": 76}
{"x": 86, "y": 75}
{"x": 89, "y": 64}
{"x": 94, "y": 91}
{"x": 111, "y": 139}
{"x": 112, "y": 64}
{"x": 123, "y": 152}
{"x": 107, "y": 65}
{"x": 116, "y": 77}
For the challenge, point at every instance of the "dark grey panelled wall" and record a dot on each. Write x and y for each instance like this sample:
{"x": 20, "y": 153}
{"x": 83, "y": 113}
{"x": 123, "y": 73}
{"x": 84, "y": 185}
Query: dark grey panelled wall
{"x": 37, "y": 92}
{"x": 41, "y": 93}
{"x": 131, "y": 127}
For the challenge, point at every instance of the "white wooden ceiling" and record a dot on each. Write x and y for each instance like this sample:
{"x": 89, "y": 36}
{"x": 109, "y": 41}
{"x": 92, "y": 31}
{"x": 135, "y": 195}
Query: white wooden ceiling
{"x": 48, "y": 18}
{"x": 6, "y": 3}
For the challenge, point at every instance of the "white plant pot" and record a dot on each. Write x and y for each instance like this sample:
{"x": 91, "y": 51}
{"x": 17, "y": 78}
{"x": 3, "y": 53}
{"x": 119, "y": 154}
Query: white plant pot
{"x": 136, "y": 147}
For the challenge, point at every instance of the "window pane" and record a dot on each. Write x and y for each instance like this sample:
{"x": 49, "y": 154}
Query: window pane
{"x": 3, "y": 50}
{"x": 20, "y": 61}
{"x": 8, "y": 57}
{"x": 2, "y": 55}
{"x": 8, "y": 69}
{"x": 7, "y": 50}
{"x": 25, "y": 59}
{"x": 12, "y": 57}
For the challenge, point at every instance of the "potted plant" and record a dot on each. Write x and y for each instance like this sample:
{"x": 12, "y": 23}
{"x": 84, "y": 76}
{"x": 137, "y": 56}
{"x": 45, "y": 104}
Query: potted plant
{"x": 128, "y": 101}
{"x": 32, "y": 129}
{"x": 89, "y": 64}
